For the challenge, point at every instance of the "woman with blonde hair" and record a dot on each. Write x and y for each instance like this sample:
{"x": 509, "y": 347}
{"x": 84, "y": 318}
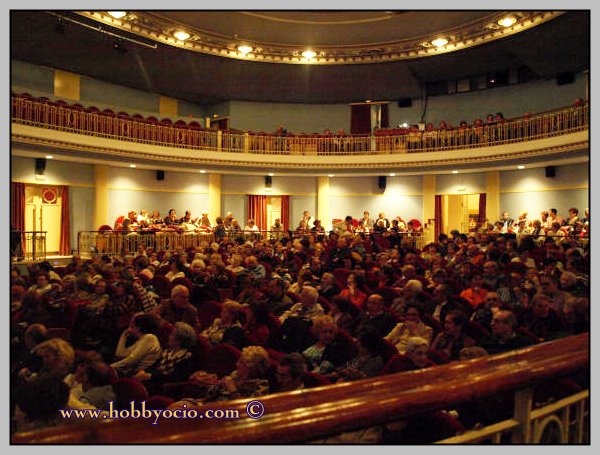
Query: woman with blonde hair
{"x": 230, "y": 319}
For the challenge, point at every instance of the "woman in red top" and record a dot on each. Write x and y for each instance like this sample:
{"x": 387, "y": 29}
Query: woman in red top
{"x": 353, "y": 293}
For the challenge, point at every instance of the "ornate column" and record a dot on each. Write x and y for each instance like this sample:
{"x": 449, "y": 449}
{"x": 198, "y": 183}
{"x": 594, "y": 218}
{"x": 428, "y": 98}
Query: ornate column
{"x": 492, "y": 201}
{"x": 428, "y": 196}
{"x": 101, "y": 196}
{"x": 323, "y": 193}
{"x": 214, "y": 196}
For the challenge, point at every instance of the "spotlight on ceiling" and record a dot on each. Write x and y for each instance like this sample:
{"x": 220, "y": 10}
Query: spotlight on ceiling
{"x": 181, "y": 35}
{"x": 392, "y": 174}
{"x": 439, "y": 42}
{"x": 507, "y": 21}
{"x": 117, "y": 14}
{"x": 521, "y": 167}
{"x": 132, "y": 166}
{"x": 202, "y": 171}
{"x": 330, "y": 175}
{"x": 455, "y": 172}
{"x": 309, "y": 54}
{"x": 245, "y": 49}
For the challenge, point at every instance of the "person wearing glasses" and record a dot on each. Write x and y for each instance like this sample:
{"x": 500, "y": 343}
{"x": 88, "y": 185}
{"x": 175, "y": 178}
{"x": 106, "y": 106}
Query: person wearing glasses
{"x": 504, "y": 337}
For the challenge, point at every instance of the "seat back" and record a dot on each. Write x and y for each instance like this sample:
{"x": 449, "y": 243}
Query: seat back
{"x": 222, "y": 359}
{"x": 128, "y": 390}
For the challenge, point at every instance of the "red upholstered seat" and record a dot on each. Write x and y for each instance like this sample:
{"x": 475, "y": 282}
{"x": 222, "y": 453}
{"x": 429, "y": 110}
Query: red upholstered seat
{"x": 222, "y": 359}
{"x": 184, "y": 281}
{"x": 208, "y": 311}
{"x": 162, "y": 286}
{"x": 128, "y": 390}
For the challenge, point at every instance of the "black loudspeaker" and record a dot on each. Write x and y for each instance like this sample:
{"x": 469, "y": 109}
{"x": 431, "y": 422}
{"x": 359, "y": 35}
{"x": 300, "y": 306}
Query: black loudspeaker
{"x": 268, "y": 181}
{"x": 565, "y": 78}
{"x": 550, "y": 171}
{"x": 40, "y": 166}
{"x": 405, "y": 102}
{"x": 382, "y": 182}
{"x": 160, "y": 175}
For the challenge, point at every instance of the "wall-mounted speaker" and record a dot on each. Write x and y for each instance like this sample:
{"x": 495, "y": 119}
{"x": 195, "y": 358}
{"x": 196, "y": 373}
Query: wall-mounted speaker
{"x": 550, "y": 171}
{"x": 381, "y": 183}
{"x": 40, "y": 166}
{"x": 268, "y": 181}
{"x": 160, "y": 175}
{"x": 405, "y": 102}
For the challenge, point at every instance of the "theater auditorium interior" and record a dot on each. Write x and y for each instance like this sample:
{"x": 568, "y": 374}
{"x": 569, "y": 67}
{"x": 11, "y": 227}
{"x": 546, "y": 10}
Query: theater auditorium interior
{"x": 299, "y": 227}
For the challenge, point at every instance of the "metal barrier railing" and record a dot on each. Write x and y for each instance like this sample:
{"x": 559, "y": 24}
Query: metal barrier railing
{"x": 46, "y": 114}
{"x": 31, "y": 245}
{"x": 113, "y": 243}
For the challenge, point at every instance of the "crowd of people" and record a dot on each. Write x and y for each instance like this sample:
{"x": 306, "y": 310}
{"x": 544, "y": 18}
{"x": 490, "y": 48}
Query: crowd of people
{"x": 320, "y": 308}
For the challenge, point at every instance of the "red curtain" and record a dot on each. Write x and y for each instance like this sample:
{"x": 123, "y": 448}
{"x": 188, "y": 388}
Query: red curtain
{"x": 65, "y": 222}
{"x": 285, "y": 212}
{"x": 438, "y": 216}
{"x": 257, "y": 209}
{"x": 360, "y": 120}
{"x": 482, "y": 215}
{"x": 17, "y": 208}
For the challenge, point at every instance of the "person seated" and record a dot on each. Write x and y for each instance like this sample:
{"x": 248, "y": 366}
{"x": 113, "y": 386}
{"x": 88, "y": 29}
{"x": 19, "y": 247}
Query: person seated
{"x": 97, "y": 391}
{"x": 412, "y": 326}
{"x": 277, "y": 301}
{"x": 541, "y": 320}
{"x": 415, "y": 357}
{"x": 375, "y": 317}
{"x": 251, "y": 226}
{"x": 343, "y": 313}
{"x": 504, "y": 338}
{"x": 328, "y": 287}
{"x": 255, "y": 269}
{"x": 353, "y": 292}
{"x": 307, "y": 306}
{"x": 330, "y": 351}
{"x": 379, "y": 227}
{"x": 368, "y": 361}
{"x": 42, "y": 284}
{"x": 176, "y": 361}
{"x": 475, "y": 294}
{"x": 177, "y": 309}
{"x": 171, "y": 219}
{"x": 248, "y": 380}
{"x": 485, "y": 312}
{"x": 39, "y": 403}
{"x": 453, "y": 338}
{"x": 317, "y": 227}
{"x": 289, "y": 372}
{"x": 204, "y": 221}
{"x": 256, "y": 328}
{"x": 57, "y": 360}
{"x": 145, "y": 349}
{"x": 230, "y": 321}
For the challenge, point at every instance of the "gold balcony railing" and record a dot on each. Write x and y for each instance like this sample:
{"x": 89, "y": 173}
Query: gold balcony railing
{"x": 50, "y": 115}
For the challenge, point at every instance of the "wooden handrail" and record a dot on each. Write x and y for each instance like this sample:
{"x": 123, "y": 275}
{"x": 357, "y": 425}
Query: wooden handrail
{"x": 306, "y": 415}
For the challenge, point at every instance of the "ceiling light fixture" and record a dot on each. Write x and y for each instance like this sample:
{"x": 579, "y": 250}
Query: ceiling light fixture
{"x": 392, "y": 174}
{"x": 330, "y": 175}
{"x": 270, "y": 174}
{"x": 117, "y": 14}
{"x": 202, "y": 171}
{"x": 455, "y": 172}
{"x": 439, "y": 42}
{"x": 133, "y": 166}
{"x": 309, "y": 54}
{"x": 181, "y": 35}
{"x": 507, "y": 21}
{"x": 245, "y": 49}
{"x": 49, "y": 157}
{"x": 521, "y": 167}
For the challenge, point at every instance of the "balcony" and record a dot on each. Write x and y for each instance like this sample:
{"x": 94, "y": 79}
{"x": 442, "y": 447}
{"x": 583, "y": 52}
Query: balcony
{"x": 76, "y": 132}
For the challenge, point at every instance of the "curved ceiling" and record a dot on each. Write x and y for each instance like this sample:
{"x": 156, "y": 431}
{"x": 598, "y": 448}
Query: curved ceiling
{"x": 78, "y": 44}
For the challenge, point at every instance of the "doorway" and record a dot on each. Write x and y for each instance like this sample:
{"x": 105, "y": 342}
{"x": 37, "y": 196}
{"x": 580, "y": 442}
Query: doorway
{"x": 460, "y": 212}
{"x": 43, "y": 213}
{"x": 273, "y": 210}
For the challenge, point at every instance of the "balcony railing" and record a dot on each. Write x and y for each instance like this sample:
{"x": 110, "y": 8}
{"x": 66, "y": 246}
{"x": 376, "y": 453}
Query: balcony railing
{"x": 323, "y": 413}
{"x": 46, "y": 114}
{"x": 28, "y": 245}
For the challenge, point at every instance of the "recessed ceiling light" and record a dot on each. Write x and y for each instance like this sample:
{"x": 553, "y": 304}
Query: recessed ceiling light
{"x": 521, "y": 167}
{"x": 132, "y": 166}
{"x": 455, "y": 172}
{"x": 439, "y": 42}
{"x": 270, "y": 174}
{"x": 49, "y": 157}
{"x": 330, "y": 175}
{"x": 202, "y": 171}
{"x": 309, "y": 54}
{"x": 117, "y": 14}
{"x": 368, "y": 101}
{"x": 181, "y": 35}
{"x": 268, "y": 190}
{"x": 507, "y": 21}
{"x": 404, "y": 125}
{"x": 392, "y": 174}
{"x": 245, "y": 49}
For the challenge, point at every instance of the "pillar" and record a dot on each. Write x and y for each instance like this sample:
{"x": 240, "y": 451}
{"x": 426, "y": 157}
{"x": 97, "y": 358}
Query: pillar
{"x": 167, "y": 106}
{"x": 101, "y": 196}
{"x": 492, "y": 201}
{"x": 428, "y": 196}
{"x": 323, "y": 193}
{"x": 214, "y": 196}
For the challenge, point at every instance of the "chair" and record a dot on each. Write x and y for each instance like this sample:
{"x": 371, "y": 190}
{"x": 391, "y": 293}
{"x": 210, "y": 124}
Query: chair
{"x": 341, "y": 277}
{"x": 201, "y": 352}
{"x": 166, "y": 121}
{"x": 222, "y": 359}
{"x": 476, "y": 331}
{"x": 162, "y": 286}
{"x": 128, "y": 390}
{"x": 208, "y": 311}
{"x": 326, "y": 304}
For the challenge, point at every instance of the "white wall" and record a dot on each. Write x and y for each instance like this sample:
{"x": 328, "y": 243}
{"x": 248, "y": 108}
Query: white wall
{"x": 353, "y": 195}
{"x": 137, "y": 189}
{"x": 451, "y": 183}
{"x": 531, "y": 190}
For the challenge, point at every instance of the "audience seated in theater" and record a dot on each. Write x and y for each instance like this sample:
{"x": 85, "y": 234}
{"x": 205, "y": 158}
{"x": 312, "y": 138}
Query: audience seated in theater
{"x": 375, "y": 317}
{"x": 415, "y": 357}
{"x": 412, "y": 326}
{"x": 177, "y": 309}
{"x": 289, "y": 372}
{"x": 138, "y": 346}
{"x": 331, "y": 351}
{"x": 306, "y": 307}
{"x": 230, "y": 320}
{"x": 504, "y": 338}
{"x": 453, "y": 338}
